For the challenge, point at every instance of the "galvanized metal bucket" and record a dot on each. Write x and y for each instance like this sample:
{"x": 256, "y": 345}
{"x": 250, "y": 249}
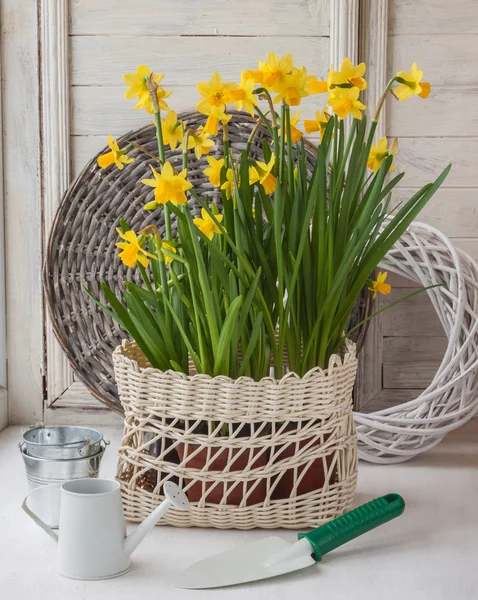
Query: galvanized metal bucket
{"x": 43, "y": 472}
{"x": 62, "y": 443}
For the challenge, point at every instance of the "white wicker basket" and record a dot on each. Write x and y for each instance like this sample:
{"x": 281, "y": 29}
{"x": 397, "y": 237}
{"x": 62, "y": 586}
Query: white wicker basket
{"x": 273, "y": 453}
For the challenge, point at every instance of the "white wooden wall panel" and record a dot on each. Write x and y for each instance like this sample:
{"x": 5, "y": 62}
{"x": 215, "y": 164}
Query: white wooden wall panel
{"x": 450, "y": 59}
{"x": 198, "y": 17}
{"x": 436, "y": 17}
{"x": 442, "y": 38}
{"x": 187, "y": 41}
{"x": 21, "y": 151}
{"x": 185, "y": 61}
{"x": 448, "y": 112}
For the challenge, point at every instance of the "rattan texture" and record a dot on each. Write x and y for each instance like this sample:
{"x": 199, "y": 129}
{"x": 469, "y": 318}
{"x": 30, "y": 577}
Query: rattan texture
{"x": 282, "y": 429}
{"x": 81, "y": 250}
{"x": 425, "y": 255}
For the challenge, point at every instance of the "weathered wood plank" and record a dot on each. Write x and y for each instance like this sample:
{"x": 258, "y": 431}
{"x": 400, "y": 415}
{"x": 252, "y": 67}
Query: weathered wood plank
{"x": 172, "y": 56}
{"x": 397, "y": 281}
{"x": 23, "y": 219}
{"x": 468, "y": 245}
{"x": 408, "y": 375}
{"x": 388, "y": 398}
{"x": 100, "y": 110}
{"x": 215, "y": 17}
{"x": 453, "y": 211}
{"x": 414, "y": 317}
{"x": 434, "y": 116}
{"x": 419, "y": 349}
{"x": 423, "y": 159}
{"x": 433, "y": 16}
{"x": 445, "y": 59}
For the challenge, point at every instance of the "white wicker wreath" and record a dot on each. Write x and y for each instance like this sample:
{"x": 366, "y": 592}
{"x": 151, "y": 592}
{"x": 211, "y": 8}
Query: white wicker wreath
{"x": 396, "y": 434}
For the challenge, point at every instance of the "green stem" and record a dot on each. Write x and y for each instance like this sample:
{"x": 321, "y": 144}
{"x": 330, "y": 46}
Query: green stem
{"x": 162, "y": 159}
{"x": 290, "y": 162}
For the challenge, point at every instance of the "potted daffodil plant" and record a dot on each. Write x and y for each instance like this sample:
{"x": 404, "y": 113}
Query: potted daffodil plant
{"x": 261, "y": 281}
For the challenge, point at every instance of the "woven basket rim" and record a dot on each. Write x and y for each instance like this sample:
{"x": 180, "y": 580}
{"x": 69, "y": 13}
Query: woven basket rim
{"x": 336, "y": 362}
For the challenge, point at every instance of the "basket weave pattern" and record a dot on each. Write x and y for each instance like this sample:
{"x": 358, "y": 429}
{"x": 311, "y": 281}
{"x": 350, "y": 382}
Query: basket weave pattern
{"x": 263, "y": 433}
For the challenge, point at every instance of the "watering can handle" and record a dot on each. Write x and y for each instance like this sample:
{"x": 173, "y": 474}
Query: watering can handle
{"x": 36, "y": 518}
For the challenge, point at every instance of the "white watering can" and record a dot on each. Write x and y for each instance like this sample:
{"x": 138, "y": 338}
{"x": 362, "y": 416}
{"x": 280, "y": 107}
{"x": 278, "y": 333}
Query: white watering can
{"x": 93, "y": 543}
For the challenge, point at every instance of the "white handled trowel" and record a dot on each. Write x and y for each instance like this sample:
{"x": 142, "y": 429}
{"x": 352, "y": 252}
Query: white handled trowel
{"x": 274, "y": 556}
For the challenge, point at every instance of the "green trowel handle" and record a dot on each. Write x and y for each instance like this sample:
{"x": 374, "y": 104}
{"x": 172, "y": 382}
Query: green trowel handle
{"x": 354, "y": 523}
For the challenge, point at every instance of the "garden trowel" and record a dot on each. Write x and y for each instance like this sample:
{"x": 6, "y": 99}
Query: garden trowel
{"x": 274, "y": 556}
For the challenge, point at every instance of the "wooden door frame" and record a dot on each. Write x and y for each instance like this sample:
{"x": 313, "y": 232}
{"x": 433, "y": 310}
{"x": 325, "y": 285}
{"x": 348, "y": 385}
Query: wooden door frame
{"x": 21, "y": 191}
{"x": 46, "y": 134}
{"x": 3, "y": 337}
{"x": 373, "y": 49}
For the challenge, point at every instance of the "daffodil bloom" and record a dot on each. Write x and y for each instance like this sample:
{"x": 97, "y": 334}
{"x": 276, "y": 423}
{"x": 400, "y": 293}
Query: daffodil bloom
{"x": 272, "y": 71}
{"x": 349, "y": 75}
{"x": 228, "y": 185}
{"x": 317, "y": 86}
{"x": 172, "y": 131}
{"x": 212, "y": 123}
{"x": 168, "y": 187}
{"x": 295, "y": 133}
{"x": 379, "y": 286}
{"x": 263, "y": 174}
{"x": 380, "y": 152}
{"x": 116, "y": 156}
{"x": 216, "y": 94}
{"x": 293, "y": 87}
{"x": 132, "y": 252}
{"x": 247, "y": 99}
{"x": 207, "y": 225}
{"x": 319, "y": 124}
{"x": 213, "y": 172}
{"x": 169, "y": 248}
{"x": 344, "y": 101}
{"x": 411, "y": 84}
{"x": 199, "y": 140}
{"x": 138, "y": 88}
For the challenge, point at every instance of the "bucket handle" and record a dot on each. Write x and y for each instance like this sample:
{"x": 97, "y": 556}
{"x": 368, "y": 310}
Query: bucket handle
{"x": 36, "y": 518}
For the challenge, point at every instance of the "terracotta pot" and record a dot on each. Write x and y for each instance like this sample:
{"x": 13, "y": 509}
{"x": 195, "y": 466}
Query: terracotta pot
{"x": 218, "y": 464}
{"x": 313, "y": 479}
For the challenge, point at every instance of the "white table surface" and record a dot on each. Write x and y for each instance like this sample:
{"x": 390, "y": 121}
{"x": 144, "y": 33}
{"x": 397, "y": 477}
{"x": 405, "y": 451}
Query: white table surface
{"x": 431, "y": 552}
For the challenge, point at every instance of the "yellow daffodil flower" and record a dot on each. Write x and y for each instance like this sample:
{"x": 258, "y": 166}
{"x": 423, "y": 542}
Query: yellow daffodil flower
{"x": 172, "y": 131}
{"x": 319, "y": 124}
{"x": 199, "y": 140}
{"x": 344, "y": 101}
{"x": 228, "y": 185}
{"x": 216, "y": 94}
{"x": 272, "y": 71}
{"x": 168, "y": 187}
{"x": 132, "y": 252}
{"x": 138, "y": 88}
{"x": 169, "y": 248}
{"x": 379, "y": 286}
{"x": 293, "y": 87}
{"x": 295, "y": 133}
{"x": 380, "y": 152}
{"x": 116, "y": 156}
{"x": 263, "y": 174}
{"x": 207, "y": 225}
{"x": 213, "y": 172}
{"x": 212, "y": 124}
{"x": 245, "y": 92}
{"x": 349, "y": 75}
{"x": 411, "y": 84}
{"x": 317, "y": 86}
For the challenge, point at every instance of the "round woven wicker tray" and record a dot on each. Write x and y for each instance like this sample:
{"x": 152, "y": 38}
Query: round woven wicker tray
{"x": 81, "y": 250}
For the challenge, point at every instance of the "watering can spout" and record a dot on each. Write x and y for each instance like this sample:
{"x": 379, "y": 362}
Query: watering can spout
{"x": 175, "y": 498}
